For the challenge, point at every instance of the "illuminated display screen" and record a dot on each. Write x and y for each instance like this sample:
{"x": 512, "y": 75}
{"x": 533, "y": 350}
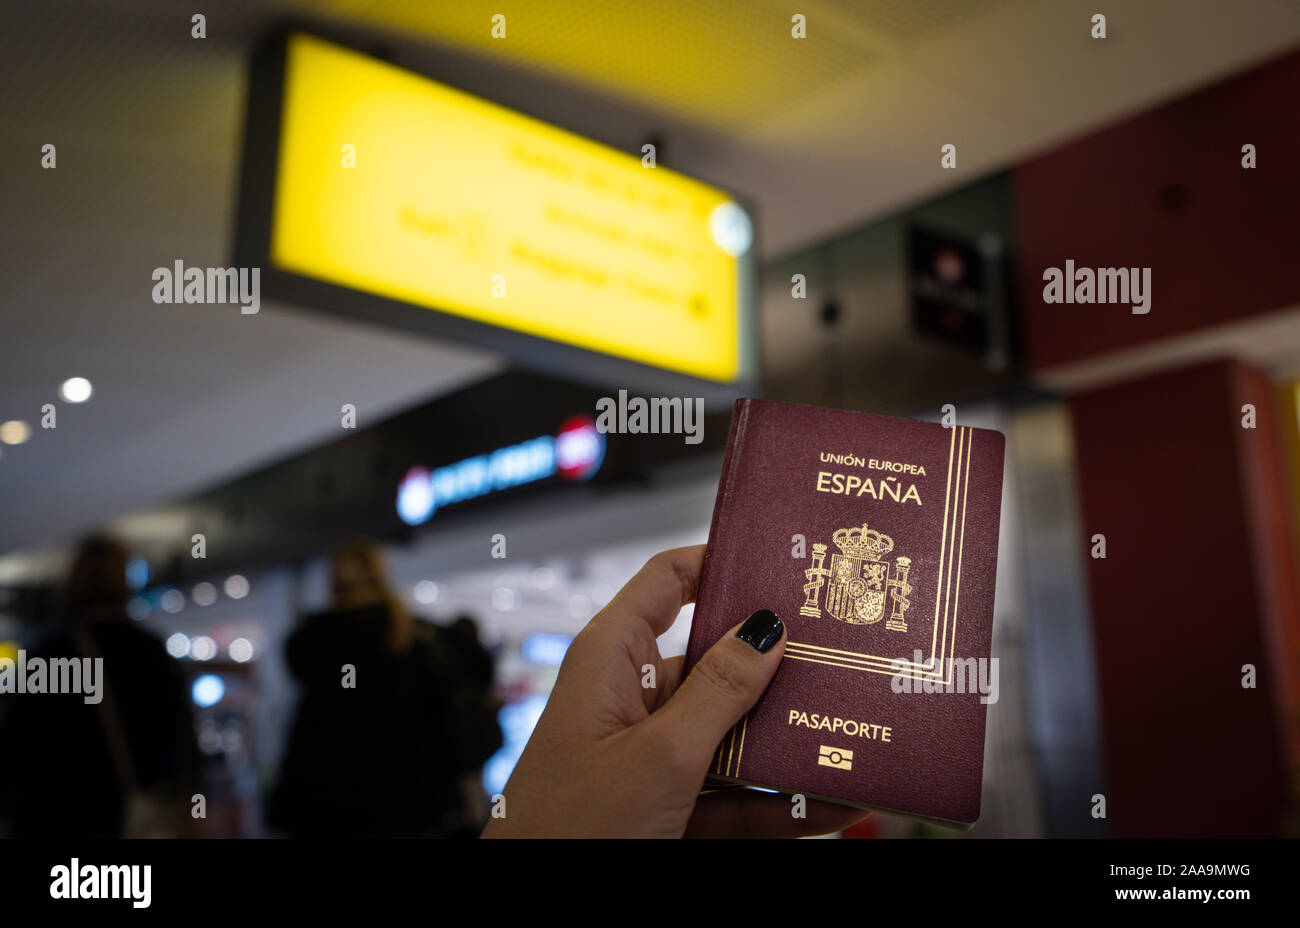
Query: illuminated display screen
{"x": 575, "y": 453}
{"x": 392, "y": 184}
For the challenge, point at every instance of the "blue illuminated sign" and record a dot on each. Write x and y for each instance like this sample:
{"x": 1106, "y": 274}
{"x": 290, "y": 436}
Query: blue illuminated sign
{"x": 574, "y": 453}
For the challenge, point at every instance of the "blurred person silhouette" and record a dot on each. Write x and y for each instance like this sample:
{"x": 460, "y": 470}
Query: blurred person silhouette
{"x": 462, "y": 634}
{"x": 124, "y": 766}
{"x": 391, "y": 726}
{"x": 478, "y": 667}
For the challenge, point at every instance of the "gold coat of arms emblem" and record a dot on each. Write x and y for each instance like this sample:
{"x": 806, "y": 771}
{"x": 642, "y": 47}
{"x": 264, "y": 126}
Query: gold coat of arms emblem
{"x": 858, "y": 582}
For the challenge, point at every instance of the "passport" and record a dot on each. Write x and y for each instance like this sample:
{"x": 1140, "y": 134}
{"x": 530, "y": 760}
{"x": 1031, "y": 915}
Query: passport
{"x": 875, "y": 540}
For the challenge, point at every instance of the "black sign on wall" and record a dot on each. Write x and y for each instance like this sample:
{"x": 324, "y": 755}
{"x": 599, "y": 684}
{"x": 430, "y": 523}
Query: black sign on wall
{"x": 955, "y": 287}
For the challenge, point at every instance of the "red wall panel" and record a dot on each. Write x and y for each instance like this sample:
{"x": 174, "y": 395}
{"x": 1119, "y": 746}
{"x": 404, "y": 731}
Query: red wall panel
{"x": 1166, "y": 190}
{"x": 1189, "y": 592}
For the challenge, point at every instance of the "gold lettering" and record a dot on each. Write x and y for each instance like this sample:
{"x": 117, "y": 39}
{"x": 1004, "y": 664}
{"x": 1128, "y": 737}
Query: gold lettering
{"x": 872, "y": 731}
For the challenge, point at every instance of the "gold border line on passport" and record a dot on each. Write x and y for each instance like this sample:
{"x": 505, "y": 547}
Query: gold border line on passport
{"x": 852, "y": 660}
{"x": 931, "y": 668}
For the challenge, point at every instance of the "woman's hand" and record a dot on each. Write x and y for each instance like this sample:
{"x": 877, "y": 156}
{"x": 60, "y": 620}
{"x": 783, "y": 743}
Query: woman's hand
{"x": 624, "y": 744}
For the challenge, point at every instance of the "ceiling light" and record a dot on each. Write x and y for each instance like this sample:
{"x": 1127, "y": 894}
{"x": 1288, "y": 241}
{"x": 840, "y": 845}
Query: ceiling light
{"x": 75, "y": 390}
{"x": 208, "y": 690}
{"x": 204, "y": 594}
{"x": 236, "y": 586}
{"x": 731, "y": 229}
{"x": 15, "y": 432}
{"x": 505, "y": 599}
{"x": 240, "y": 650}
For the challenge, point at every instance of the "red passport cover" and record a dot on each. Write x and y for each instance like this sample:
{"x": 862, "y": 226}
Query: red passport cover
{"x": 875, "y": 540}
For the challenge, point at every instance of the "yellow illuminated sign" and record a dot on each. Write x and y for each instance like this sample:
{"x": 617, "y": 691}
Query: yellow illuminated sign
{"x": 393, "y": 184}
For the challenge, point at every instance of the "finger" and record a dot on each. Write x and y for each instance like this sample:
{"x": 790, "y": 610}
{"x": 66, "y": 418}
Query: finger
{"x": 748, "y": 813}
{"x": 722, "y": 687}
{"x": 657, "y": 593}
{"x": 671, "y": 678}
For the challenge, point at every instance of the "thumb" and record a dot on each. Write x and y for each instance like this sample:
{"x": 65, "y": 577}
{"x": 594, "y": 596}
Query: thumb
{"x": 723, "y": 686}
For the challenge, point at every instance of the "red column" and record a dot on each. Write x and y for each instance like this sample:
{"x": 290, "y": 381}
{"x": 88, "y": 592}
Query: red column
{"x": 1198, "y": 580}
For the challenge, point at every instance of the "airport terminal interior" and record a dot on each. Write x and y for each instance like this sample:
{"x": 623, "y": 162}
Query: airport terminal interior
{"x": 881, "y": 206}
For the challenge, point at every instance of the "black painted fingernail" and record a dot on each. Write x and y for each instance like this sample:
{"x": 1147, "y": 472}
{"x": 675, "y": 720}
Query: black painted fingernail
{"x": 761, "y": 630}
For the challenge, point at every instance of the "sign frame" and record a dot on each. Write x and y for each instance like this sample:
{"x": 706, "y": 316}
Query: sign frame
{"x": 252, "y": 248}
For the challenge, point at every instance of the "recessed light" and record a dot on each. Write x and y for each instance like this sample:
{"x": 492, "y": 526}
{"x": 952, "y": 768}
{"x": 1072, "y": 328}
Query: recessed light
{"x": 236, "y": 586}
{"x": 178, "y": 645}
{"x": 15, "y": 432}
{"x": 240, "y": 650}
{"x": 75, "y": 390}
{"x": 505, "y": 599}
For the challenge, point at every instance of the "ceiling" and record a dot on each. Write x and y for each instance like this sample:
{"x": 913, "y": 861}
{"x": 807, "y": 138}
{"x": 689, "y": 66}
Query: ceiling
{"x": 822, "y": 133}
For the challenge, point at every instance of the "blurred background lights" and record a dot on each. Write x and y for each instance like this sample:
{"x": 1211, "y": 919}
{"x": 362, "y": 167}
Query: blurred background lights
{"x": 137, "y": 573}
{"x": 138, "y": 608}
{"x": 505, "y": 599}
{"x": 15, "y": 432}
{"x": 75, "y": 390}
{"x": 204, "y": 594}
{"x": 203, "y": 648}
{"x": 426, "y": 592}
{"x": 543, "y": 578}
{"x": 208, "y": 690}
{"x": 415, "y": 499}
{"x": 236, "y": 586}
{"x": 545, "y": 649}
{"x": 731, "y": 229}
{"x": 240, "y": 650}
{"x": 178, "y": 645}
{"x": 209, "y": 737}
{"x": 173, "y": 601}
{"x": 601, "y": 594}
{"x": 517, "y": 721}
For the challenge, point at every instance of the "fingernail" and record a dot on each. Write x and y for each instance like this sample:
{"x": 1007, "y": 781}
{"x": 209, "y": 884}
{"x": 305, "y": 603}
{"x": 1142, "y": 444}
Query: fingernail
{"x": 761, "y": 630}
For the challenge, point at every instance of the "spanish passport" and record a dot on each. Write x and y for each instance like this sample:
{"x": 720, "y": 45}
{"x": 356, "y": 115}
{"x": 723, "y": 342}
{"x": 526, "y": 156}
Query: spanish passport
{"x": 875, "y": 540}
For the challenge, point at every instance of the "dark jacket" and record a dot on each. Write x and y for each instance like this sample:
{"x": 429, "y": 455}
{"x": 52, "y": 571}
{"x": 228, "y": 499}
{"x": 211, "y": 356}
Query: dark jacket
{"x": 385, "y": 755}
{"x": 59, "y": 777}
